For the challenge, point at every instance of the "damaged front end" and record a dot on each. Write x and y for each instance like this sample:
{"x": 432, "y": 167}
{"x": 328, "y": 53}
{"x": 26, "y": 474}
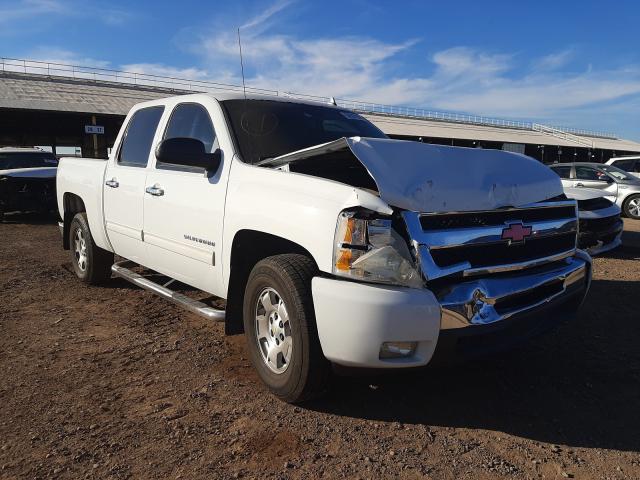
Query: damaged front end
{"x": 490, "y": 233}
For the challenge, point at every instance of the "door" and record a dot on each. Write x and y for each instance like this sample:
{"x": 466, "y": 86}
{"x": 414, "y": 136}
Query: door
{"x": 124, "y": 185}
{"x": 184, "y": 206}
{"x": 590, "y": 177}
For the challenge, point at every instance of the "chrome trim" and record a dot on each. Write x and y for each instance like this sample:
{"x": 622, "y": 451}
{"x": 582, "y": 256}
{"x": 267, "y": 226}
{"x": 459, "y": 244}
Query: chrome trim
{"x": 493, "y": 234}
{"x": 510, "y": 267}
{"x": 113, "y": 183}
{"x": 194, "y": 306}
{"x": 477, "y": 302}
{"x": 423, "y": 242}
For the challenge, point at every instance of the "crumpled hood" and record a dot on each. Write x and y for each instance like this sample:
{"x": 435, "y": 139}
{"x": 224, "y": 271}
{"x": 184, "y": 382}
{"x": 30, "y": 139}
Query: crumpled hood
{"x": 38, "y": 172}
{"x": 434, "y": 178}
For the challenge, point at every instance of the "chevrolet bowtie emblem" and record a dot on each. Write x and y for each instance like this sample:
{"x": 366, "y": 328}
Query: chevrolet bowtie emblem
{"x": 516, "y": 233}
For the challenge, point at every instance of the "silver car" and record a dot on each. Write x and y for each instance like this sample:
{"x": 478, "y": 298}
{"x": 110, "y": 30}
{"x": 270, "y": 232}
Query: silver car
{"x": 617, "y": 185}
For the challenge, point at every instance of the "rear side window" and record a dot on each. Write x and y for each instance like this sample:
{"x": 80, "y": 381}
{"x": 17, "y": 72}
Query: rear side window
{"x": 563, "y": 172}
{"x": 138, "y": 137}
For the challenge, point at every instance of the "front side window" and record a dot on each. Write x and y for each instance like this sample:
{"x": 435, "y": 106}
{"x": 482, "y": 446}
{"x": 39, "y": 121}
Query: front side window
{"x": 138, "y": 137}
{"x": 191, "y": 120}
{"x": 587, "y": 173}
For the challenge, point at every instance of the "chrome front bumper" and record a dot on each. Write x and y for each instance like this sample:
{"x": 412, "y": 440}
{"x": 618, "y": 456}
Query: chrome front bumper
{"x": 490, "y": 300}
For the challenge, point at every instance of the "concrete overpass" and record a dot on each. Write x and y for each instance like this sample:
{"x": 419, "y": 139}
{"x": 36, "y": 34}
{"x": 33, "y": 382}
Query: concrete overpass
{"x": 44, "y": 103}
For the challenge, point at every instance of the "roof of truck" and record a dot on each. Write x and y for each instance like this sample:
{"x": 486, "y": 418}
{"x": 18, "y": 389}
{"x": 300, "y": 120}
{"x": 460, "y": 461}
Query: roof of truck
{"x": 236, "y": 96}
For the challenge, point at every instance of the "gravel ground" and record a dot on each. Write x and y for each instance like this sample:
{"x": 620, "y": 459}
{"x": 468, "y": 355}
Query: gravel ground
{"x": 113, "y": 382}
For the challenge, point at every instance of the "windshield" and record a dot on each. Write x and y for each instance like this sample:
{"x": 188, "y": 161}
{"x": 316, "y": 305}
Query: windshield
{"x": 617, "y": 173}
{"x": 14, "y": 160}
{"x": 267, "y": 129}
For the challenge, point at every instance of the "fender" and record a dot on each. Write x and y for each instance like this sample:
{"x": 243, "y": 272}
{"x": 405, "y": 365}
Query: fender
{"x": 301, "y": 208}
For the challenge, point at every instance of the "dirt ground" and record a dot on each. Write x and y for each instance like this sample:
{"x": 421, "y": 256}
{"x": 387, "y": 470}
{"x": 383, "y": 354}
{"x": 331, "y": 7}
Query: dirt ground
{"x": 113, "y": 382}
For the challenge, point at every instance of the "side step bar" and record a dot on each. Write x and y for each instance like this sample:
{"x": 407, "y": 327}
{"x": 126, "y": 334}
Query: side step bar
{"x": 194, "y": 306}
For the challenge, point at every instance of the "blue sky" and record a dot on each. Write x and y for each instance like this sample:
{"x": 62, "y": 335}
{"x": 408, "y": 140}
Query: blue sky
{"x": 560, "y": 62}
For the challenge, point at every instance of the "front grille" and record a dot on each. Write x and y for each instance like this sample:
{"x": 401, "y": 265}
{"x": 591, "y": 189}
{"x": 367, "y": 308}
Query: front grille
{"x": 485, "y": 255}
{"x": 481, "y": 242}
{"x": 493, "y": 218}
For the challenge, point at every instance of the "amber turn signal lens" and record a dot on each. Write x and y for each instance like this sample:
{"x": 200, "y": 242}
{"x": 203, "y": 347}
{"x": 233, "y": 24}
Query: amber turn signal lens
{"x": 344, "y": 259}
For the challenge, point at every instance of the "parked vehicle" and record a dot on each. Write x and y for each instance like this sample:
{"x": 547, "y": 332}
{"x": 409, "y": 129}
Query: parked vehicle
{"x": 27, "y": 180}
{"x": 630, "y": 164}
{"x": 617, "y": 185}
{"x": 332, "y": 244}
{"x": 599, "y": 218}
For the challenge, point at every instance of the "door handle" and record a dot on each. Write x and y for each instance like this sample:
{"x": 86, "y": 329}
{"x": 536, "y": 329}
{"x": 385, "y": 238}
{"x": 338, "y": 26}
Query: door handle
{"x": 156, "y": 191}
{"x": 113, "y": 183}
{"x": 579, "y": 184}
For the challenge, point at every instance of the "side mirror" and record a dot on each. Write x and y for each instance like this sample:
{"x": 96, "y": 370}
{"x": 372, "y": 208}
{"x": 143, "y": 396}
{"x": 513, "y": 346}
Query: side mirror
{"x": 188, "y": 152}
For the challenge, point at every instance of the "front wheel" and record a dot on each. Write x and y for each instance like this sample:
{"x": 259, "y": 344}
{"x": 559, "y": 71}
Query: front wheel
{"x": 91, "y": 263}
{"x": 280, "y": 328}
{"x": 631, "y": 207}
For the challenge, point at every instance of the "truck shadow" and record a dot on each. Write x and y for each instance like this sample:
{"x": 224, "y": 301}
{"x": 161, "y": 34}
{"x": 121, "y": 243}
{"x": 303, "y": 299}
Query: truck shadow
{"x": 578, "y": 386}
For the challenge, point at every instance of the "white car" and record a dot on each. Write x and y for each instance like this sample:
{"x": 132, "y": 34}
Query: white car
{"x": 617, "y": 185}
{"x": 331, "y": 243}
{"x": 27, "y": 180}
{"x": 630, "y": 164}
{"x": 600, "y": 223}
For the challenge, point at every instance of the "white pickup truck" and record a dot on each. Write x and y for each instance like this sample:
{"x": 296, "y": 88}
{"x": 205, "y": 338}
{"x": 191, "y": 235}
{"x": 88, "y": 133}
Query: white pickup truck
{"x": 333, "y": 245}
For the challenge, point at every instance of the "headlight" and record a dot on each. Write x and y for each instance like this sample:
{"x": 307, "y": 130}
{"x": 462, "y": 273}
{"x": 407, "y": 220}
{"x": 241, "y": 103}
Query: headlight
{"x": 369, "y": 249}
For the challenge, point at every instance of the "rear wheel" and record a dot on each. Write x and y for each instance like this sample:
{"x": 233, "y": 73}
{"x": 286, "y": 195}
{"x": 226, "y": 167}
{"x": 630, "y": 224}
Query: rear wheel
{"x": 91, "y": 263}
{"x": 631, "y": 207}
{"x": 280, "y": 328}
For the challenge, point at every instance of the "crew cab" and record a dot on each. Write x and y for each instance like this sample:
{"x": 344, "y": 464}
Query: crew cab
{"x": 332, "y": 244}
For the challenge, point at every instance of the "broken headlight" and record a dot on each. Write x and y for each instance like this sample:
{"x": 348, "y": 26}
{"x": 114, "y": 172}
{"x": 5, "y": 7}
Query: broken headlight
{"x": 369, "y": 249}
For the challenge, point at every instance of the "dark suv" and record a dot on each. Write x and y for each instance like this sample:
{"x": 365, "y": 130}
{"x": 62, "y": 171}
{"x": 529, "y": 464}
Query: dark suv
{"x": 27, "y": 180}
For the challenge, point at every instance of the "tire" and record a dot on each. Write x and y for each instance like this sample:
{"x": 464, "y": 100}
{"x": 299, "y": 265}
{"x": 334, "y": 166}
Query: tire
{"x": 631, "y": 207}
{"x": 298, "y": 370}
{"x": 91, "y": 263}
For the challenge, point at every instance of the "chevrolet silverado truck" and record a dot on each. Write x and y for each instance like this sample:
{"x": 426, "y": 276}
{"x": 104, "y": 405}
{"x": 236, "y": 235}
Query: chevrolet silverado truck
{"x": 332, "y": 244}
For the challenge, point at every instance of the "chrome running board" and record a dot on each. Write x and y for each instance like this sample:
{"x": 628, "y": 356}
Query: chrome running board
{"x": 194, "y": 306}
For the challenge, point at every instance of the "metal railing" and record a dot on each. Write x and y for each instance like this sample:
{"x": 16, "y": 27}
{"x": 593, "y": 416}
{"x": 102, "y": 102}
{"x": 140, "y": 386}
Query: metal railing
{"x": 53, "y": 69}
{"x": 100, "y": 74}
{"x": 581, "y": 140}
